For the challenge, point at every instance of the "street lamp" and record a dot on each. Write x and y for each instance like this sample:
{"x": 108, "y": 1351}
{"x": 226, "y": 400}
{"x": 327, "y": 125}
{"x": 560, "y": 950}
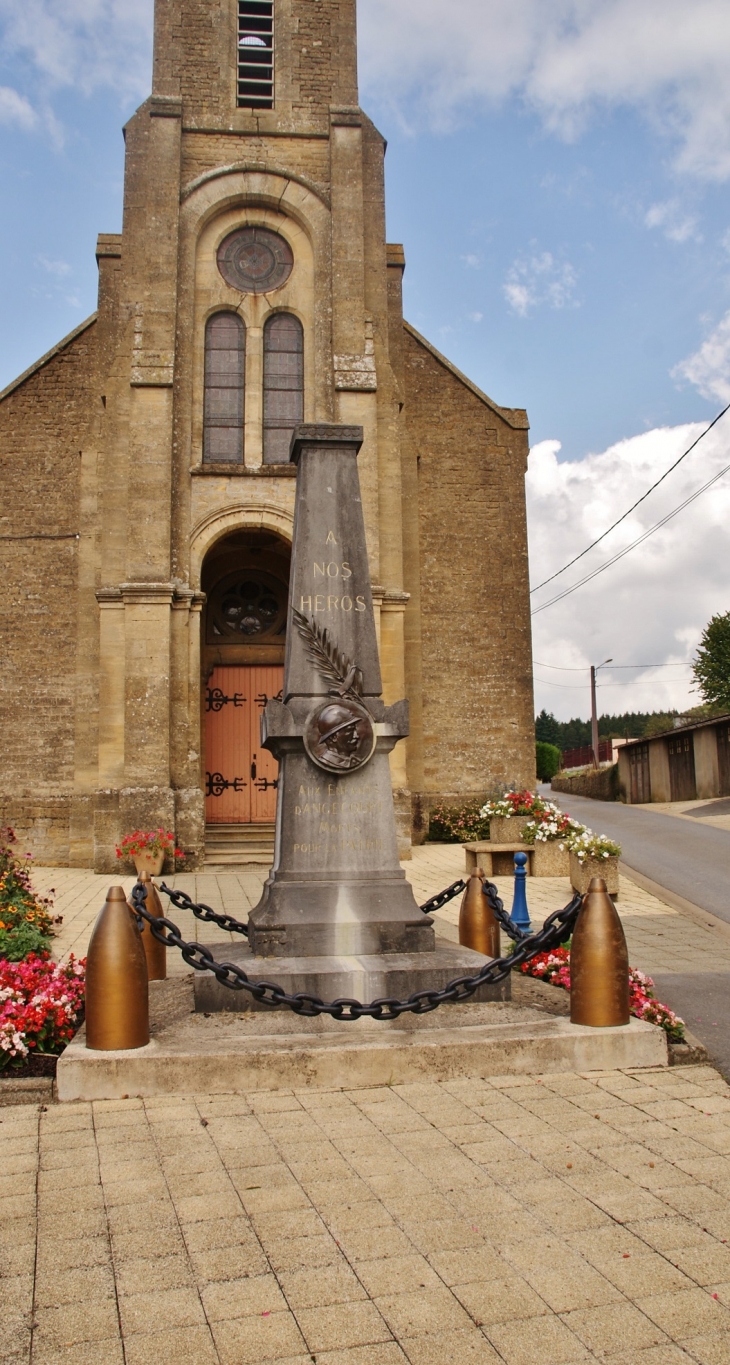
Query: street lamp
{"x": 594, "y": 716}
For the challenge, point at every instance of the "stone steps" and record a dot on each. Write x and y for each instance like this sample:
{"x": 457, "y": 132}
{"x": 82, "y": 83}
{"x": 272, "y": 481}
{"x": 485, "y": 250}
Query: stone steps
{"x": 231, "y": 845}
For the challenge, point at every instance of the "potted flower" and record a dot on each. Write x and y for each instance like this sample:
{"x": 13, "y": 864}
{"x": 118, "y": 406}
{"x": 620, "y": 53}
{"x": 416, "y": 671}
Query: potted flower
{"x": 593, "y": 855}
{"x": 548, "y": 833}
{"x": 148, "y": 850}
{"x": 509, "y": 814}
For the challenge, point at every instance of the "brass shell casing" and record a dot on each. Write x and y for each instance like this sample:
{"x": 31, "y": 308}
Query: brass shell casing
{"x": 155, "y": 952}
{"x": 117, "y": 1004}
{"x": 599, "y": 963}
{"x": 478, "y": 928}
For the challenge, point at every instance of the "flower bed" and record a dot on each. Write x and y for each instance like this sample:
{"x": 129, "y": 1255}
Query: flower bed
{"x": 26, "y": 920}
{"x": 457, "y": 824}
{"x": 555, "y": 969}
{"x": 515, "y": 803}
{"x": 41, "y": 1007}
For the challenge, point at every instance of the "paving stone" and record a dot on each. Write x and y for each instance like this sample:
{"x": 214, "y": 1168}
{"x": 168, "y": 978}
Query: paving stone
{"x": 81, "y": 1321}
{"x": 423, "y": 1310}
{"x": 614, "y": 1327}
{"x": 326, "y": 1285}
{"x": 191, "y": 1345}
{"x": 684, "y": 1315}
{"x": 110, "y": 1351}
{"x": 500, "y": 1301}
{"x": 255, "y": 1296}
{"x": 156, "y": 1310}
{"x": 451, "y": 1348}
{"x": 250, "y": 1340}
{"x": 397, "y": 1274}
{"x": 541, "y": 1341}
{"x": 56, "y": 1286}
{"x": 351, "y": 1324}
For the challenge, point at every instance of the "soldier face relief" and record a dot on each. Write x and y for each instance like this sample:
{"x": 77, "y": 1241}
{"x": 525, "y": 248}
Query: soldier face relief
{"x": 339, "y": 736}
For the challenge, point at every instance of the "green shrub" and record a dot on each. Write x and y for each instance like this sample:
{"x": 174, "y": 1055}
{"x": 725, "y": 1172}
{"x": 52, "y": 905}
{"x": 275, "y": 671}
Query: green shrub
{"x": 547, "y": 758}
{"x": 17, "y": 943}
{"x": 457, "y": 824}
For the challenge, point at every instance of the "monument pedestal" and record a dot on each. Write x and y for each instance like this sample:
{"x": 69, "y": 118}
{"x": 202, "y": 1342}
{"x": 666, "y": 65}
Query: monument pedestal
{"x": 359, "y": 976}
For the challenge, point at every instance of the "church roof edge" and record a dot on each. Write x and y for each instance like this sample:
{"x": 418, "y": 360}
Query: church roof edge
{"x": 49, "y": 355}
{"x": 514, "y": 417}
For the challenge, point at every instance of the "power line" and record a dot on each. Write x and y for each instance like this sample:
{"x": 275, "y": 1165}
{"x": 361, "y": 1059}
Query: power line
{"x": 645, "y": 495}
{"x": 633, "y": 545}
{"x": 561, "y": 668}
{"x": 580, "y": 687}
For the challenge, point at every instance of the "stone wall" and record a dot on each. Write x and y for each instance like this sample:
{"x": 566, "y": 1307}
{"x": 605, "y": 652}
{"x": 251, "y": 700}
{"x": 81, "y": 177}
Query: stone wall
{"x": 44, "y": 422}
{"x": 602, "y": 784}
{"x": 478, "y": 727}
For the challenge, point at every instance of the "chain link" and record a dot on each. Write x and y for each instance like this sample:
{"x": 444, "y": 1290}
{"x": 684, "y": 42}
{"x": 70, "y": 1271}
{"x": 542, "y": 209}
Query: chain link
{"x": 556, "y": 929}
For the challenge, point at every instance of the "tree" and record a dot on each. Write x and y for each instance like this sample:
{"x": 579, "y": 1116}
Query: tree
{"x": 547, "y": 760}
{"x": 547, "y": 728}
{"x": 711, "y": 666}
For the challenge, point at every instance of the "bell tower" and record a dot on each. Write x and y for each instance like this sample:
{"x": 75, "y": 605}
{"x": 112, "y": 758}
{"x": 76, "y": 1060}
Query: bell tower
{"x": 253, "y": 65}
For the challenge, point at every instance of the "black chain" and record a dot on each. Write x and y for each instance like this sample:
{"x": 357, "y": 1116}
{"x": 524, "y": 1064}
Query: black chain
{"x": 556, "y": 929}
{"x": 235, "y": 926}
{"x": 184, "y": 902}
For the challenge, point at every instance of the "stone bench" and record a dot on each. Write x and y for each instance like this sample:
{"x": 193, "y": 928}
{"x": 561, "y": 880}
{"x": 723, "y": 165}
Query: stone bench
{"x": 497, "y": 859}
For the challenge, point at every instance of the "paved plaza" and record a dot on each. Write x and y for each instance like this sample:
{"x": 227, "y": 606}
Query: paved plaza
{"x": 661, "y": 939}
{"x": 532, "y": 1221}
{"x": 529, "y": 1220}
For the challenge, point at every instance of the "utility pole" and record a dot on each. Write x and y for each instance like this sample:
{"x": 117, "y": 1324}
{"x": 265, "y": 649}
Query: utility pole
{"x": 594, "y": 713}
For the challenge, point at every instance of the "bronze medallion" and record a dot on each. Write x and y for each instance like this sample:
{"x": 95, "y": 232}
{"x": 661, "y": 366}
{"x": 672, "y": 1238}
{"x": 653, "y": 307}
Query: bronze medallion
{"x": 339, "y": 736}
{"x": 255, "y": 260}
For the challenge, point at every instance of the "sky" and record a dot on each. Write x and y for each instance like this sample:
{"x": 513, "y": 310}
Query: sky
{"x": 558, "y": 171}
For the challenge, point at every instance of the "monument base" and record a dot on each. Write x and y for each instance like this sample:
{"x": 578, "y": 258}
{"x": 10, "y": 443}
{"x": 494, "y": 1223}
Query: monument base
{"x": 359, "y": 976}
{"x": 191, "y": 1054}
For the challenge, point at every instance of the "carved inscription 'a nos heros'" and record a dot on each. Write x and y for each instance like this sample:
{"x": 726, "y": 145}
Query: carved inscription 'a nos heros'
{"x": 330, "y": 573}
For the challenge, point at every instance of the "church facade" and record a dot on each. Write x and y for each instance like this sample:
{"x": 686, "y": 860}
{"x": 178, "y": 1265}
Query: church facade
{"x": 147, "y": 491}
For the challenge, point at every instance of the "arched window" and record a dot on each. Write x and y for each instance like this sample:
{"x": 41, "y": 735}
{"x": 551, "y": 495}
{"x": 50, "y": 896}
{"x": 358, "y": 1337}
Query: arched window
{"x": 225, "y": 354}
{"x": 283, "y": 384}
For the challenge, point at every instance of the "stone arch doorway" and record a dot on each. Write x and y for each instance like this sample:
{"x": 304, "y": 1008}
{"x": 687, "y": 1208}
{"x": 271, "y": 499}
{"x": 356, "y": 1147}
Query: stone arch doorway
{"x": 245, "y": 578}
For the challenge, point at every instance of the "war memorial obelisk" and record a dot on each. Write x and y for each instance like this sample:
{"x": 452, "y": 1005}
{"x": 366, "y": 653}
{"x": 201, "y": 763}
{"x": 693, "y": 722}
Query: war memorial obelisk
{"x": 337, "y": 916}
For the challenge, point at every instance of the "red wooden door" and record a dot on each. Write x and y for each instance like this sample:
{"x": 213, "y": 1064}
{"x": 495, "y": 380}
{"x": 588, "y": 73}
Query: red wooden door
{"x": 241, "y": 778}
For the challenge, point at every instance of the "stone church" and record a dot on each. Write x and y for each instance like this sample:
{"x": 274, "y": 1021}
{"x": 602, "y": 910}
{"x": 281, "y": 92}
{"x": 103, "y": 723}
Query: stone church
{"x": 147, "y": 491}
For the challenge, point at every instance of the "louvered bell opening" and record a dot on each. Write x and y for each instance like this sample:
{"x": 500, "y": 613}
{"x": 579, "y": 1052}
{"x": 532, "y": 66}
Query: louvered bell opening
{"x": 255, "y": 88}
{"x": 283, "y": 385}
{"x": 225, "y": 354}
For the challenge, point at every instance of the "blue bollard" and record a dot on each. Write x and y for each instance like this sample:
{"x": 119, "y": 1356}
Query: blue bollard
{"x": 520, "y": 914}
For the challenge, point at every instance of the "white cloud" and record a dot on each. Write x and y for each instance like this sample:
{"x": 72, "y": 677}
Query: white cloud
{"x": 565, "y": 59}
{"x": 57, "y": 268}
{"x": 84, "y": 43}
{"x": 709, "y": 367}
{"x": 476, "y": 317}
{"x": 539, "y": 279}
{"x": 674, "y": 222}
{"x": 651, "y": 606}
{"x": 15, "y": 108}
{"x": 472, "y": 261}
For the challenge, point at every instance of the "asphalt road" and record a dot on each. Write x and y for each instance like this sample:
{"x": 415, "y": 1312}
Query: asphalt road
{"x": 693, "y": 860}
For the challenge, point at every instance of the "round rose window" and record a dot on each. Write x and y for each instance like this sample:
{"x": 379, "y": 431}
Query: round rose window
{"x": 255, "y": 260}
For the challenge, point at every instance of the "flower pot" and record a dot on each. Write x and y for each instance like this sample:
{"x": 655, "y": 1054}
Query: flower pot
{"x": 149, "y": 862}
{"x": 504, "y": 828}
{"x": 550, "y": 860}
{"x": 581, "y": 873}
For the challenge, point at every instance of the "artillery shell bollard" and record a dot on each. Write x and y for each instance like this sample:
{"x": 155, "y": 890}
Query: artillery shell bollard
{"x": 599, "y": 963}
{"x": 155, "y": 952}
{"x": 478, "y": 928}
{"x": 117, "y": 1004}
